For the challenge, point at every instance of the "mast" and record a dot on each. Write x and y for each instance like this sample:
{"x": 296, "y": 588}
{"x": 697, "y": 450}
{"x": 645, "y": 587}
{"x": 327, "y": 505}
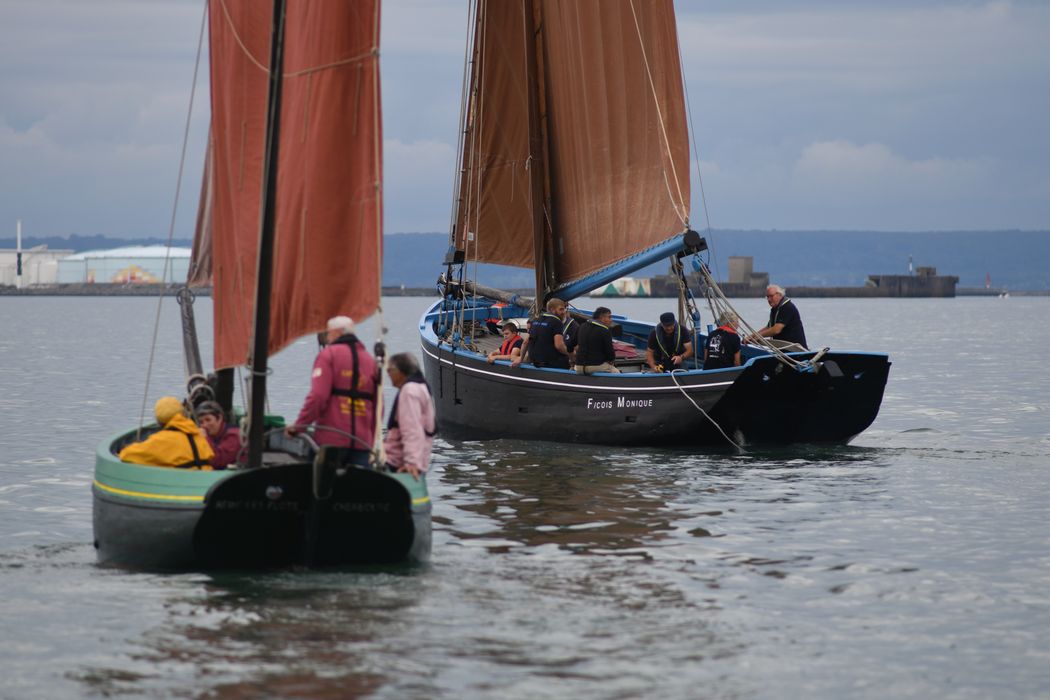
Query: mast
{"x": 536, "y": 152}
{"x": 261, "y": 331}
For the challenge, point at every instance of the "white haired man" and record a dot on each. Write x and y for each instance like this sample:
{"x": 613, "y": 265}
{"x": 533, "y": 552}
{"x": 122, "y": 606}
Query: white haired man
{"x": 342, "y": 398}
{"x": 785, "y": 323}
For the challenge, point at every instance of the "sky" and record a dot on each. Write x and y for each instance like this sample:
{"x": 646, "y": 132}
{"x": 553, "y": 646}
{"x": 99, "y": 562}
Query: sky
{"x": 887, "y": 115}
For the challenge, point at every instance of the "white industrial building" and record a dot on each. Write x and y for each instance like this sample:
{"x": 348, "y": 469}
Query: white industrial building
{"x": 130, "y": 265}
{"x": 39, "y": 265}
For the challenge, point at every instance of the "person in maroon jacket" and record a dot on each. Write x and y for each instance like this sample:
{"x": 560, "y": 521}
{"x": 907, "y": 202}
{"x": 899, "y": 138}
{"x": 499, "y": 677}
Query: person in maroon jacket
{"x": 225, "y": 439}
{"x": 342, "y": 398}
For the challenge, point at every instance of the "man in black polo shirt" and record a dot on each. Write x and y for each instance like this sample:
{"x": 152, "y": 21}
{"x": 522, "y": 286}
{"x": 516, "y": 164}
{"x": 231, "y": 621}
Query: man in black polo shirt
{"x": 669, "y": 345}
{"x": 785, "y": 324}
{"x": 594, "y": 352}
{"x": 723, "y": 344}
{"x": 545, "y": 345}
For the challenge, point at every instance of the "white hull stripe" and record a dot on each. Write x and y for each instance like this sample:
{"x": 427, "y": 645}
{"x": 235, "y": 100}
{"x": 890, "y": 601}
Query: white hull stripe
{"x": 580, "y": 387}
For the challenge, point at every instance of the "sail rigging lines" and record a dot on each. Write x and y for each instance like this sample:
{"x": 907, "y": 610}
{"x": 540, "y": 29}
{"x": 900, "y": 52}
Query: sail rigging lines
{"x": 373, "y": 53}
{"x": 174, "y": 211}
{"x": 680, "y": 205}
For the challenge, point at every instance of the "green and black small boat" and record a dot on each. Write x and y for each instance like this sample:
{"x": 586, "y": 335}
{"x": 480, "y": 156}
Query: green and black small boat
{"x": 291, "y": 511}
{"x": 281, "y": 255}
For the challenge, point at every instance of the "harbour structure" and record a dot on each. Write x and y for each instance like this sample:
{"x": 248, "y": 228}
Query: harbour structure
{"x": 744, "y": 282}
{"x": 38, "y": 265}
{"x": 128, "y": 265}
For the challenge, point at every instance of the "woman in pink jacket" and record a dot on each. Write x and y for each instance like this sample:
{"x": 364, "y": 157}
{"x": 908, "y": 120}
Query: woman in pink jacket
{"x": 411, "y": 427}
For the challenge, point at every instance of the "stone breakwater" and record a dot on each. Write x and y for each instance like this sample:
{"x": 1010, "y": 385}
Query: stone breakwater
{"x": 97, "y": 290}
{"x": 152, "y": 290}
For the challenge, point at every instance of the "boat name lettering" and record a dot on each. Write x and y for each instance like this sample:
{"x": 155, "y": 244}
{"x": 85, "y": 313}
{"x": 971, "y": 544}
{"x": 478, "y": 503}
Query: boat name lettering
{"x": 255, "y": 505}
{"x": 618, "y": 402}
{"x": 361, "y": 507}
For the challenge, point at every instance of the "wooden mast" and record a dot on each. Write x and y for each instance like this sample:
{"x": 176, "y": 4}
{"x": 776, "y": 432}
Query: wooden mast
{"x": 537, "y": 162}
{"x": 261, "y": 330}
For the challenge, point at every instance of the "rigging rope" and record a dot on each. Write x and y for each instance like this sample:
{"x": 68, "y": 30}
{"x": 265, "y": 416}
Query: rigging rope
{"x": 171, "y": 225}
{"x": 702, "y": 411}
{"x": 720, "y": 303}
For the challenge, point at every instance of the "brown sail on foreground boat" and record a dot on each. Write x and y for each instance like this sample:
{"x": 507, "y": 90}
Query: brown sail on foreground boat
{"x": 289, "y": 235}
{"x": 575, "y": 163}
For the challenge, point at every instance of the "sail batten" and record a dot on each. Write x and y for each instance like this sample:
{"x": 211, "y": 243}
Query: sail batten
{"x": 615, "y": 144}
{"x": 328, "y": 243}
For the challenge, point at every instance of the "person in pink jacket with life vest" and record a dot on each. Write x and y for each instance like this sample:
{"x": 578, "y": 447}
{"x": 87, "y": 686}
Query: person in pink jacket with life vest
{"x": 342, "y": 398}
{"x": 411, "y": 427}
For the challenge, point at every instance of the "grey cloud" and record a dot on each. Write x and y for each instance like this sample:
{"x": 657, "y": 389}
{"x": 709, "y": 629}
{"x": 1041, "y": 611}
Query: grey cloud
{"x": 947, "y": 96}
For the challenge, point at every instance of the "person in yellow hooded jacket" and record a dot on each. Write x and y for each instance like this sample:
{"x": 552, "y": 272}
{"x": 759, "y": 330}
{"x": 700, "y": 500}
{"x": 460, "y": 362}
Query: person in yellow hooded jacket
{"x": 179, "y": 443}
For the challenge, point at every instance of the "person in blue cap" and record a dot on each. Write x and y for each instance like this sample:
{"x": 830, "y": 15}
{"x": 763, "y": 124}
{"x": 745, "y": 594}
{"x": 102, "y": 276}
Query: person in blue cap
{"x": 670, "y": 345}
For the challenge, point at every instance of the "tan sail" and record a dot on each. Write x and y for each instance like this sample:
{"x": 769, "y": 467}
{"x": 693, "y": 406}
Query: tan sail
{"x": 613, "y": 126}
{"x": 199, "y": 273}
{"x": 328, "y": 241}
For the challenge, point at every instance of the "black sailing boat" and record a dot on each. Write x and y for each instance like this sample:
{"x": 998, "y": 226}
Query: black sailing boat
{"x": 575, "y": 163}
{"x": 293, "y": 174}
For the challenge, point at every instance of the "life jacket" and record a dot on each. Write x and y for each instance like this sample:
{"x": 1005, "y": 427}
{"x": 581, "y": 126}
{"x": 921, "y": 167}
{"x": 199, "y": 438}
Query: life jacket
{"x": 353, "y": 392}
{"x": 510, "y": 343}
{"x": 659, "y": 332}
{"x": 391, "y": 422}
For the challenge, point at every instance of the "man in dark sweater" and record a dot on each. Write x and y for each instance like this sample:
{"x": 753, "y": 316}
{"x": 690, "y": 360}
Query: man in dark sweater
{"x": 723, "y": 344}
{"x": 594, "y": 351}
{"x": 669, "y": 345}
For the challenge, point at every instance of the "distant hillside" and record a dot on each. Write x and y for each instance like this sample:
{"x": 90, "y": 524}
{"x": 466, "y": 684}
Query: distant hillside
{"x": 1014, "y": 259}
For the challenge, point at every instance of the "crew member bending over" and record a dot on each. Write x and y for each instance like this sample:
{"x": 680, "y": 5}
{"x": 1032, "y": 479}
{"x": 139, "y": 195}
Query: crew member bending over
{"x": 669, "y": 345}
{"x": 723, "y": 345}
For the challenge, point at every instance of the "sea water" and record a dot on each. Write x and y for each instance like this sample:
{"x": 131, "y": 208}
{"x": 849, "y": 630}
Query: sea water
{"x": 914, "y": 562}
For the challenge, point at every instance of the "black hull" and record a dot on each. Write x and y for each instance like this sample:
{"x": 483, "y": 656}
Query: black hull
{"x": 763, "y": 402}
{"x": 269, "y": 518}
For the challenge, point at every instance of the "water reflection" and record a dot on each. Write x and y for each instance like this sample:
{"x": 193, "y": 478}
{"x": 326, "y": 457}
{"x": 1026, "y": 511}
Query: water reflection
{"x": 299, "y": 634}
{"x": 509, "y": 494}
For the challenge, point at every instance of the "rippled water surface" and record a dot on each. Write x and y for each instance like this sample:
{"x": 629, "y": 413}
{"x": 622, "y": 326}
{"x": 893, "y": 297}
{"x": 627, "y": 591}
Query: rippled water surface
{"x": 913, "y": 563}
